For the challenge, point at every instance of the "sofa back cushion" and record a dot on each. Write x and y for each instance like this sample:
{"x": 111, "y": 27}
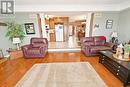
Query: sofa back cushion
{"x": 89, "y": 41}
{"x": 100, "y": 40}
{"x": 37, "y": 42}
{"x": 95, "y": 40}
{"x": 99, "y": 43}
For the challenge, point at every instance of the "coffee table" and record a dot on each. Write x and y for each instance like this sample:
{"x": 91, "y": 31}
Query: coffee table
{"x": 121, "y": 69}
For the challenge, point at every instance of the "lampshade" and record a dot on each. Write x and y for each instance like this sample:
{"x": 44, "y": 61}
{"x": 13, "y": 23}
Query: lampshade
{"x": 114, "y": 34}
{"x": 16, "y": 40}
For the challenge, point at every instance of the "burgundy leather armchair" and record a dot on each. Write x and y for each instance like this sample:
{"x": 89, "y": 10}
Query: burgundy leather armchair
{"x": 36, "y": 49}
{"x": 91, "y": 46}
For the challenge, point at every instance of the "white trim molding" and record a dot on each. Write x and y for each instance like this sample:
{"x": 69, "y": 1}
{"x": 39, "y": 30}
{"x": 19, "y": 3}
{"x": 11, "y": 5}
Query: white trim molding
{"x": 46, "y": 8}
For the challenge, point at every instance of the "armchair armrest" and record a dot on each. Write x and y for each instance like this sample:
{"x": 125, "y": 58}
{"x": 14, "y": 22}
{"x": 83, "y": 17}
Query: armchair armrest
{"x": 43, "y": 49}
{"x": 86, "y": 49}
{"x": 45, "y": 45}
{"x": 26, "y": 46}
{"x": 85, "y": 39}
{"x": 82, "y": 40}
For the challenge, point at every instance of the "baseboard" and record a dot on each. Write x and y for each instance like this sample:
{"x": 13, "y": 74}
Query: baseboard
{"x": 65, "y": 50}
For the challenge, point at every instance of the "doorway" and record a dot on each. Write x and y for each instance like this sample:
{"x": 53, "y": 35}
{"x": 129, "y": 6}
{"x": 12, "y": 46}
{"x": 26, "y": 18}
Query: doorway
{"x": 64, "y": 31}
{"x": 56, "y": 28}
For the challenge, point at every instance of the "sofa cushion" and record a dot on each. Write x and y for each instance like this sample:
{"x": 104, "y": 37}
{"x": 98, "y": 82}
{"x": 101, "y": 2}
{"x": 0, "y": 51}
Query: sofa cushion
{"x": 89, "y": 43}
{"x": 96, "y": 49}
{"x": 99, "y": 41}
{"x": 34, "y": 50}
{"x": 88, "y": 39}
{"x": 37, "y": 44}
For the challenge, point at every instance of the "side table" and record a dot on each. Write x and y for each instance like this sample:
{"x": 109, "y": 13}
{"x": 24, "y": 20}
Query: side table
{"x": 121, "y": 69}
{"x": 14, "y": 54}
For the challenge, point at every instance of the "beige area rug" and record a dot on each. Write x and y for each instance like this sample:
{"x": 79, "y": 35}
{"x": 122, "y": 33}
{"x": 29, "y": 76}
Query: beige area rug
{"x": 74, "y": 74}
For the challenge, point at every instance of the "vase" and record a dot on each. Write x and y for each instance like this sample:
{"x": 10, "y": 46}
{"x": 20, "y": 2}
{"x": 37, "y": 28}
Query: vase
{"x": 126, "y": 54}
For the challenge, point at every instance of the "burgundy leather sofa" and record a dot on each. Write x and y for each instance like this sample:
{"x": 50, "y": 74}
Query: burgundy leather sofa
{"x": 91, "y": 46}
{"x": 36, "y": 49}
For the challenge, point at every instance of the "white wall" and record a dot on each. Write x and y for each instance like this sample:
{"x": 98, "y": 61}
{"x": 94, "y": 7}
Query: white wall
{"x": 4, "y": 42}
{"x": 124, "y": 26}
{"x": 20, "y": 18}
{"x": 101, "y": 20}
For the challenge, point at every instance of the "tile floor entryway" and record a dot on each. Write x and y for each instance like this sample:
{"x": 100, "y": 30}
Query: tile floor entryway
{"x": 71, "y": 45}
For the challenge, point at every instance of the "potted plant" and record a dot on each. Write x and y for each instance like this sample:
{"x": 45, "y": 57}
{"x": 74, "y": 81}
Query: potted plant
{"x": 15, "y": 30}
{"x": 15, "y": 33}
{"x": 126, "y": 50}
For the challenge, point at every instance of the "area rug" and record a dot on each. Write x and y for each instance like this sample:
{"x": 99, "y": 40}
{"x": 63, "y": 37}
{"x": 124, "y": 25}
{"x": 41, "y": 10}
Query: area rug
{"x": 73, "y": 74}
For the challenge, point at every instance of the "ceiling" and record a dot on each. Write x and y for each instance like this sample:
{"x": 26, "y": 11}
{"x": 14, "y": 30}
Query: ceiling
{"x": 66, "y": 14}
{"x": 66, "y": 2}
{"x": 71, "y": 5}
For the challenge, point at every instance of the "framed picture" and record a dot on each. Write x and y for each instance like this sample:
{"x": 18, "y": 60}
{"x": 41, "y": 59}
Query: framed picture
{"x": 96, "y": 26}
{"x": 29, "y": 27}
{"x": 109, "y": 24}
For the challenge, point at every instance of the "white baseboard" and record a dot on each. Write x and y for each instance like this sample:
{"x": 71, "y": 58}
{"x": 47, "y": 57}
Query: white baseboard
{"x": 65, "y": 50}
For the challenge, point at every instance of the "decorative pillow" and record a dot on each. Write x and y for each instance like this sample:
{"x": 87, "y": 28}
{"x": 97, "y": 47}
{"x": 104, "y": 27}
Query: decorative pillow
{"x": 102, "y": 37}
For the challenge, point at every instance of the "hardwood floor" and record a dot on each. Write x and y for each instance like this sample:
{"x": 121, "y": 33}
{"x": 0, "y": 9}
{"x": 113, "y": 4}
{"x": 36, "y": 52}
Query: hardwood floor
{"x": 12, "y": 71}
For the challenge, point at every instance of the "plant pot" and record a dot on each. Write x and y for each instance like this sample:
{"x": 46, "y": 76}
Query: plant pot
{"x": 126, "y": 54}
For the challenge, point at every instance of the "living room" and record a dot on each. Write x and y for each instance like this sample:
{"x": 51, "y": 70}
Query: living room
{"x": 106, "y": 22}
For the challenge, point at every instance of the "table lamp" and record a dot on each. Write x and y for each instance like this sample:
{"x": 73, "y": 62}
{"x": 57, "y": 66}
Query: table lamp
{"x": 114, "y": 36}
{"x": 17, "y": 41}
